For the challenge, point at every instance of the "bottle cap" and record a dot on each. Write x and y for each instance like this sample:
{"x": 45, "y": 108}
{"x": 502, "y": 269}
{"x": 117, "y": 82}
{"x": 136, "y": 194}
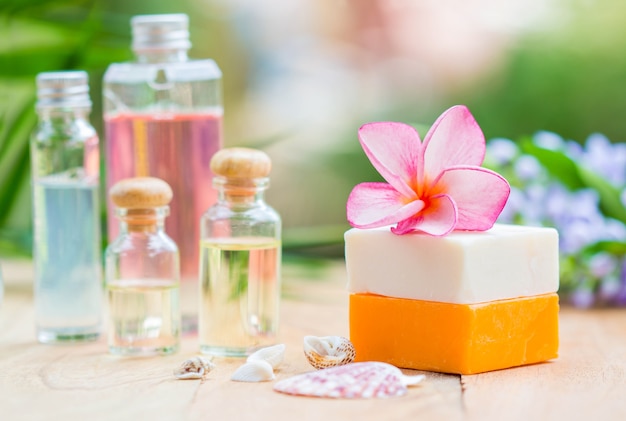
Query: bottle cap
{"x": 63, "y": 89}
{"x": 241, "y": 163}
{"x": 141, "y": 193}
{"x": 160, "y": 32}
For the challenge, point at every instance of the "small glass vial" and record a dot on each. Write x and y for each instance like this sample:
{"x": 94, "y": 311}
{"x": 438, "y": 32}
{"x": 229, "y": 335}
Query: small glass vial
{"x": 240, "y": 257}
{"x": 142, "y": 271}
{"x": 67, "y": 248}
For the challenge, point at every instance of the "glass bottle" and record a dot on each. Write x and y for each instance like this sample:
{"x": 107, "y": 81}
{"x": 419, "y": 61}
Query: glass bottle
{"x": 142, "y": 271}
{"x": 240, "y": 255}
{"x": 163, "y": 118}
{"x": 66, "y": 209}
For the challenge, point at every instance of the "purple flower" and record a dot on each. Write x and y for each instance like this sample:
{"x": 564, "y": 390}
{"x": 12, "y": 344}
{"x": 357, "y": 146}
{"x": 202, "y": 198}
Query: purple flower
{"x": 501, "y": 151}
{"x": 606, "y": 159}
{"x": 609, "y": 288}
{"x": 577, "y": 235}
{"x": 582, "y": 297}
{"x": 574, "y": 150}
{"x": 602, "y": 265}
{"x": 539, "y": 199}
{"x": 527, "y": 168}
{"x": 548, "y": 140}
{"x": 620, "y": 297}
{"x": 517, "y": 201}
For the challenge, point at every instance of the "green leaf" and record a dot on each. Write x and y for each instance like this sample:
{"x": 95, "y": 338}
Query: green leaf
{"x": 616, "y": 248}
{"x": 34, "y": 46}
{"x": 18, "y": 119}
{"x": 15, "y": 243}
{"x": 557, "y": 163}
{"x": 576, "y": 177}
{"x": 610, "y": 200}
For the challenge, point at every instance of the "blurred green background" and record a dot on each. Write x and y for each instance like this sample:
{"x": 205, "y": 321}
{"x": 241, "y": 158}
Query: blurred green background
{"x": 301, "y": 76}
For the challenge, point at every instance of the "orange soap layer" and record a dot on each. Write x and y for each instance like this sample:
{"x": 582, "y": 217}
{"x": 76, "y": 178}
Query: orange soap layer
{"x": 454, "y": 338}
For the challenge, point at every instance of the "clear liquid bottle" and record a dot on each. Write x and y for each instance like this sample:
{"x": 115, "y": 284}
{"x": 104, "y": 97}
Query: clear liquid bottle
{"x": 142, "y": 271}
{"x": 240, "y": 258}
{"x": 163, "y": 118}
{"x": 66, "y": 209}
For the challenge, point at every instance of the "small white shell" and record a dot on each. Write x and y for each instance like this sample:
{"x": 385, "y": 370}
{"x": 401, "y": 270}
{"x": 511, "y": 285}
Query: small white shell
{"x": 273, "y": 355}
{"x": 194, "y": 368}
{"x": 254, "y": 371}
{"x": 350, "y": 381}
{"x": 328, "y": 351}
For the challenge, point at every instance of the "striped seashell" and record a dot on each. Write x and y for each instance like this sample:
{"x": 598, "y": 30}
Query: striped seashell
{"x": 273, "y": 355}
{"x": 254, "y": 371}
{"x": 194, "y": 368}
{"x": 350, "y": 381}
{"x": 328, "y": 351}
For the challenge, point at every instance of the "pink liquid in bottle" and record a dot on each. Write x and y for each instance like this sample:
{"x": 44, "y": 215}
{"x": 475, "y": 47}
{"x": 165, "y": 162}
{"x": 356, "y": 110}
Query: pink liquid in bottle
{"x": 176, "y": 148}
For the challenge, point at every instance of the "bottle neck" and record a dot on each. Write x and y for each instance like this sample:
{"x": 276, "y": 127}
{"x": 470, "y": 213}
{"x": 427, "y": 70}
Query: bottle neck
{"x": 161, "y": 56}
{"x": 240, "y": 191}
{"x": 63, "y": 115}
{"x": 148, "y": 220}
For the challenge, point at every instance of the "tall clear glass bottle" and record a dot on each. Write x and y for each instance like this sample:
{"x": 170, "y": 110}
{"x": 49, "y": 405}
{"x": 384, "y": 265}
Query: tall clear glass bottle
{"x": 142, "y": 271}
{"x": 66, "y": 209}
{"x": 163, "y": 118}
{"x": 240, "y": 258}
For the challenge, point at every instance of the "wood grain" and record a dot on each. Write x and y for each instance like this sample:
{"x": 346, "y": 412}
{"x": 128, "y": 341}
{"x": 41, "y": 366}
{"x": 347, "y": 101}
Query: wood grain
{"x": 587, "y": 381}
{"x": 84, "y": 382}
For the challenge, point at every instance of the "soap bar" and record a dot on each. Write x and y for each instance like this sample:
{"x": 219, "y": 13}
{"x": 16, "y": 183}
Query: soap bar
{"x": 507, "y": 261}
{"x": 454, "y": 338}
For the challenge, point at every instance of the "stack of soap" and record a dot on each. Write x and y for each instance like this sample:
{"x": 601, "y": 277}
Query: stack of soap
{"x": 465, "y": 303}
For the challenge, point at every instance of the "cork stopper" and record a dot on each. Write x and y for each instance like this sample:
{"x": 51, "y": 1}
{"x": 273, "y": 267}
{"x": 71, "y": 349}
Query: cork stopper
{"x": 141, "y": 193}
{"x": 241, "y": 163}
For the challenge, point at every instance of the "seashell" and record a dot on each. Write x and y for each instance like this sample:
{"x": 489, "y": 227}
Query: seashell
{"x": 273, "y": 355}
{"x": 350, "y": 381}
{"x": 254, "y": 371}
{"x": 194, "y": 368}
{"x": 328, "y": 351}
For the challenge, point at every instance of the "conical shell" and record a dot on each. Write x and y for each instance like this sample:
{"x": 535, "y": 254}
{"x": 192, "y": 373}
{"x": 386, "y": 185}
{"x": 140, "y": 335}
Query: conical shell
{"x": 350, "y": 381}
{"x": 273, "y": 355}
{"x": 328, "y": 351}
{"x": 194, "y": 368}
{"x": 254, "y": 371}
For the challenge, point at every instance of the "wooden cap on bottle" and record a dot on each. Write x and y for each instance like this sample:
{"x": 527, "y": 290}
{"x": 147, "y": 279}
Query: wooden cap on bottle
{"x": 241, "y": 163}
{"x": 141, "y": 192}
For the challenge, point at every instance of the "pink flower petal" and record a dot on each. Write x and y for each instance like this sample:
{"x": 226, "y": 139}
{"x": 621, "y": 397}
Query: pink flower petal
{"x": 454, "y": 139}
{"x": 395, "y": 150}
{"x": 373, "y": 205}
{"x": 480, "y": 195}
{"x": 439, "y": 218}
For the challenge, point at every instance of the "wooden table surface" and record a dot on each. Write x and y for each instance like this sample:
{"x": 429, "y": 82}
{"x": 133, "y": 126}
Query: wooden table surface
{"x": 84, "y": 382}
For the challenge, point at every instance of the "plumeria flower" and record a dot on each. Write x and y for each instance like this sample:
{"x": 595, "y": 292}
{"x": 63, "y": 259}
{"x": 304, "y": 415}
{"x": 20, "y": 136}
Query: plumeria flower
{"x": 436, "y": 186}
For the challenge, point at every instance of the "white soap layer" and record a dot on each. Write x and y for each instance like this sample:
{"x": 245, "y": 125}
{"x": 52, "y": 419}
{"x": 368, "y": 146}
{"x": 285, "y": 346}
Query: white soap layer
{"x": 464, "y": 267}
